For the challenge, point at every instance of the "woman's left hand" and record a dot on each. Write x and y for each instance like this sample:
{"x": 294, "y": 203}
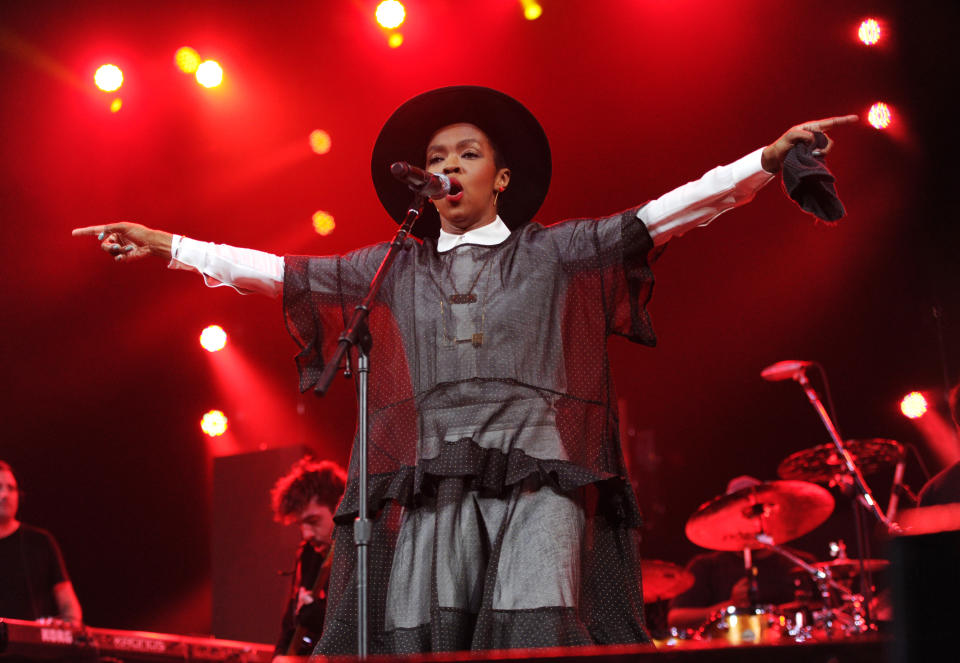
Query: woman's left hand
{"x": 774, "y": 154}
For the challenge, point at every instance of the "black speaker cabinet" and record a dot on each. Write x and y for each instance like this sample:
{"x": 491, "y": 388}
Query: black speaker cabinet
{"x": 250, "y": 552}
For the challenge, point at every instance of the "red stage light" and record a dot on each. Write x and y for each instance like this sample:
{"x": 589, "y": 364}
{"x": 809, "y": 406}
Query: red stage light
{"x": 869, "y": 32}
{"x": 913, "y": 405}
{"x": 320, "y": 141}
{"x": 323, "y": 222}
{"x": 187, "y": 59}
{"x": 390, "y": 14}
{"x": 880, "y": 115}
{"x": 214, "y": 423}
{"x": 531, "y": 9}
{"x": 209, "y": 74}
{"x": 108, "y": 78}
{"x": 213, "y": 338}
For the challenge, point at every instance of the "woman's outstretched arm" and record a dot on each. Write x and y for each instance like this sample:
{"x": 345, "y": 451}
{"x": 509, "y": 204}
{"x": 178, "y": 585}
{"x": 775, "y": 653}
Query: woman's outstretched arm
{"x": 246, "y": 270}
{"x": 725, "y": 187}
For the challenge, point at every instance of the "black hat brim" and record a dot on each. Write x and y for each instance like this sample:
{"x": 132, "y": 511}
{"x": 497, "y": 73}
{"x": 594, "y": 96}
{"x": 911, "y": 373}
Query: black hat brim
{"x": 510, "y": 126}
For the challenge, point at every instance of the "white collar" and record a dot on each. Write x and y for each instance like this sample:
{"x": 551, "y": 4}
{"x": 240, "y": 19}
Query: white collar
{"x": 488, "y": 235}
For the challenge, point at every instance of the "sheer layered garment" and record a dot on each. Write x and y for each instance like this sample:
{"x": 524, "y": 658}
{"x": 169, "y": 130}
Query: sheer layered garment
{"x": 502, "y": 512}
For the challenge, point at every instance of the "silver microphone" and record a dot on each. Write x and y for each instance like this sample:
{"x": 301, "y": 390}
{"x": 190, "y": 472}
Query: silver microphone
{"x": 430, "y": 185}
{"x": 790, "y": 369}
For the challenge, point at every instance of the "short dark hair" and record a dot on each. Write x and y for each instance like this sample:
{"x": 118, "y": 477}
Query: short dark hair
{"x": 307, "y": 480}
{"x": 5, "y": 467}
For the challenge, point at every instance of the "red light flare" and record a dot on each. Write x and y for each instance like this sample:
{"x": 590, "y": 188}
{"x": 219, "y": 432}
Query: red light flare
{"x": 390, "y": 14}
{"x": 108, "y": 78}
{"x": 870, "y": 32}
{"x": 323, "y": 223}
{"x": 880, "y": 116}
{"x": 260, "y": 415}
{"x": 209, "y": 74}
{"x": 213, "y": 338}
{"x": 889, "y": 120}
{"x": 531, "y": 9}
{"x": 913, "y": 405}
{"x": 214, "y": 423}
{"x": 187, "y": 60}
{"x": 320, "y": 141}
{"x": 938, "y": 431}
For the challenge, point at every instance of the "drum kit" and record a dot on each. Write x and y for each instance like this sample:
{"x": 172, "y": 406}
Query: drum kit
{"x": 766, "y": 516}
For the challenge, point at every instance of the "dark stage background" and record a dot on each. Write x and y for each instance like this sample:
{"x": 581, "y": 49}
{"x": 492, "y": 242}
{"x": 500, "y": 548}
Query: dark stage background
{"x": 105, "y": 382}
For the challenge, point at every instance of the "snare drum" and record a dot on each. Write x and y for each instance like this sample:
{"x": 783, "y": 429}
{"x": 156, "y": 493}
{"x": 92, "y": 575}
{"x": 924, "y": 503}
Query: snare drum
{"x": 743, "y": 626}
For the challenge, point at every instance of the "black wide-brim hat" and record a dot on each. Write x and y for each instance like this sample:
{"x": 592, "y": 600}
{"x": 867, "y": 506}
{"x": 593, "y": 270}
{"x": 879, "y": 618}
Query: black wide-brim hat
{"x": 510, "y": 126}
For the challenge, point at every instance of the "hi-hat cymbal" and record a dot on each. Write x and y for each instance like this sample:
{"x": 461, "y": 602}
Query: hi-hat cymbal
{"x": 846, "y": 567}
{"x": 783, "y": 510}
{"x": 822, "y": 464}
{"x": 663, "y": 580}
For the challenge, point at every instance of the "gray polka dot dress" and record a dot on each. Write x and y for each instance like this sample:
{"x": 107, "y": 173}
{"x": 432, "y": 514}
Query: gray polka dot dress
{"x": 503, "y": 516}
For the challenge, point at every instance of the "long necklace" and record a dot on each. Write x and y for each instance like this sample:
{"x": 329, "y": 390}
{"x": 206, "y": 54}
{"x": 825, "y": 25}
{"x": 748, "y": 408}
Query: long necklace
{"x": 468, "y": 297}
{"x": 476, "y": 339}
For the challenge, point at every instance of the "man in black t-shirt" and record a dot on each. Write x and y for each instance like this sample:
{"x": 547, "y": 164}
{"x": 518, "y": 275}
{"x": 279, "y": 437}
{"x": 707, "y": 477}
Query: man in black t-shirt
{"x": 33, "y": 578}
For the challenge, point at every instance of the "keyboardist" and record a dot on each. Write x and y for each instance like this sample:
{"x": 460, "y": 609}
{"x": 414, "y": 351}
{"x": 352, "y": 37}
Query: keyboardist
{"x": 33, "y": 578}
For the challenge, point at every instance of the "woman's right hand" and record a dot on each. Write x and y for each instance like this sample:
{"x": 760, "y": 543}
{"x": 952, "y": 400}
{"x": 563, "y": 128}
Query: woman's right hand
{"x": 128, "y": 241}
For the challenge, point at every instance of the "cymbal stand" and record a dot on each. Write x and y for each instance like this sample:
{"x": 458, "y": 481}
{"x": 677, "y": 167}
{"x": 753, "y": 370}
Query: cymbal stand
{"x": 825, "y": 582}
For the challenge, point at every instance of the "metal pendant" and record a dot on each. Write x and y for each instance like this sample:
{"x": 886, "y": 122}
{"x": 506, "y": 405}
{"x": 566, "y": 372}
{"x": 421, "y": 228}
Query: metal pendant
{"x": 468, "y": 298}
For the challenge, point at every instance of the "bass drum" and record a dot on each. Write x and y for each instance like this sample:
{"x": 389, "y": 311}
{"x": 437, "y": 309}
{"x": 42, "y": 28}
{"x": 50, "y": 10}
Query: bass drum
{"x": 762, "y": 625}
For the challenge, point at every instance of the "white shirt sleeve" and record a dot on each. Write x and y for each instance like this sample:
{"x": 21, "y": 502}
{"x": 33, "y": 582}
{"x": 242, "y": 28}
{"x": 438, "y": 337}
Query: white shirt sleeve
{"x": 245, "y": 270}
{"x": 700, "y": 202}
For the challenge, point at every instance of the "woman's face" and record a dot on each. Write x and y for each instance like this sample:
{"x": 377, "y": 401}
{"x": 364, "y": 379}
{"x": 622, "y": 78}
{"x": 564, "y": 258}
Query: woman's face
{"x": 464, "y": 153}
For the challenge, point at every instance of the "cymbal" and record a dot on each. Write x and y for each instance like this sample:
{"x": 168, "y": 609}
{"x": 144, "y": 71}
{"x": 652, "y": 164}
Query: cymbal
{"x": 663, "y": 580}
{"x": 821, "y": 464}
{"x": 783, "y": 510}
{"x": 847, "y": 567}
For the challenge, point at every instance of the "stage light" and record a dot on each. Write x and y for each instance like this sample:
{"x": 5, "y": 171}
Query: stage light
{"x": 394, "y": 40}
{"x": 323, "y": 222}
{"x": 116, "y": 105}
{"x": 209, "y": 74}
{"x": 214, "y": 423}
{"x": 108, "y": 78}
{"x": 869, "y": 32}
{"x": 390, "y": 14}
{"x": 880, "y": 116}
{"x": 531, "y": 9}
{"x": 213, "y": 338}
{"x": 913, "y": 405}
{"x": 187, "y": 59}
{"x": 320, "y": 141}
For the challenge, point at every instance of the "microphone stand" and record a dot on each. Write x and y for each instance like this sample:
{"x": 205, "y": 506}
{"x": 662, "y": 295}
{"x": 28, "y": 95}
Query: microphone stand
{"x": 357, "y": 334}
{"x": 858, "y": 481}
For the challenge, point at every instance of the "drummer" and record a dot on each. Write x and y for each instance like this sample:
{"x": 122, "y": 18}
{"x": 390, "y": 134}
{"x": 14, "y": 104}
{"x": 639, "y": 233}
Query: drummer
{"x": 720, "y": 579}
